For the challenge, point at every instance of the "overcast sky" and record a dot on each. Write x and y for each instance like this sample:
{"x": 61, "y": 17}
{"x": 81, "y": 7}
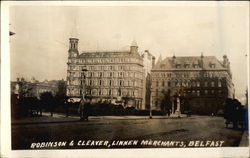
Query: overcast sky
{"x": 39, "y": 47}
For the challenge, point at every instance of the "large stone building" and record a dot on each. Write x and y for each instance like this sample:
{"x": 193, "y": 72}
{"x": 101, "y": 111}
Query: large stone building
{"x": 199, "y": 83}
{"x": 114, "y": 76}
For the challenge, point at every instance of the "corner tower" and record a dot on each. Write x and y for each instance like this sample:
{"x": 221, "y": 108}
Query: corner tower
{"x": 73, "y": 47}
{"x": 134, "y": 47}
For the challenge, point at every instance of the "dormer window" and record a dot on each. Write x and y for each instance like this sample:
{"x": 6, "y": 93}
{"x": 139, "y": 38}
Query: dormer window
{"x": 178, "y": 65}
{"x": 187, "y": 65}
{"x": 196, "y": 64}
{"x": 212, "y": 65}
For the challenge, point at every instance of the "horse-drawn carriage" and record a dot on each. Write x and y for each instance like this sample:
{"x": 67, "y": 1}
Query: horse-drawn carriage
{"x": 233, "y": 113}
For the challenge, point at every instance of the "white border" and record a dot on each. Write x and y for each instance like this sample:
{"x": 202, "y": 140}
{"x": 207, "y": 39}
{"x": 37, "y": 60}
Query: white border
{"x": 109, "y": 153}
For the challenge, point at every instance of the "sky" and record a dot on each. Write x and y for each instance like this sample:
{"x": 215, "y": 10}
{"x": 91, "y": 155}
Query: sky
{"x": 39, "y": 47}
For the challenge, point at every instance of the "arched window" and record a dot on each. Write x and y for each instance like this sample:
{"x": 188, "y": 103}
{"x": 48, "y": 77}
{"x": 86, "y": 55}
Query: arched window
{"x": 212, "y": 84}
{"x": 205, "y": 84}
{"x": 119, "y": 92}
{"x": 169, "y": 83}
{"x": 198, "y": 84}
{"x": 198, "y": 93}
{"x": 206, "y": 92}
{"x": 193, "y": 84}
{"x": 219, "y": 83}
{"x": 157, "y": 83}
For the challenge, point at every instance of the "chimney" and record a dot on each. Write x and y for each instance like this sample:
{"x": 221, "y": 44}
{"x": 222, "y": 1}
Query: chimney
{"x": 225, "y": 61}
{"x": 202, "y": 57}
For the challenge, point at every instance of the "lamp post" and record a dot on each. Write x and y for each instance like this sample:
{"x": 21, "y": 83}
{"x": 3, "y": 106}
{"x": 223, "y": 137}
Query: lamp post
{"x": 82, "y": 102}
{"x": 84, "y": 69}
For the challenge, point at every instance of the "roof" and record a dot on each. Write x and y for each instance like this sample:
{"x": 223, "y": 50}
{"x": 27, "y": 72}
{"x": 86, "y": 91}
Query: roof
{"x": 146, "y": 52}
{"x": 190, "y": 63}
{"x": 106, "y": 54}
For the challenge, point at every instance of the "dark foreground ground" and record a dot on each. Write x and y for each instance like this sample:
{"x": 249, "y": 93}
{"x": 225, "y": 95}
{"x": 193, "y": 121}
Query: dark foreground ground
{"x": 123, "y": 132}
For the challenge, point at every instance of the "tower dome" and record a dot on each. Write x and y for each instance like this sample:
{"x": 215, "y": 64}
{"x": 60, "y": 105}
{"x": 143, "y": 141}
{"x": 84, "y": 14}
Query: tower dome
{"x": 134, "y": 47}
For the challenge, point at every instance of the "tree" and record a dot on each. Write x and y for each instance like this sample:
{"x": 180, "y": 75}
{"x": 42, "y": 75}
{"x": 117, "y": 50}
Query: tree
{"x": 233, "y": 112}
{"x": 48, "y": 101}
{"x": 61, "y": 98}
{"x": 166, "y": 102}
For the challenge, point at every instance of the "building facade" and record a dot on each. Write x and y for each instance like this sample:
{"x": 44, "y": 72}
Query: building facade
{"x": 116, "y": 77}
{"x": 199, "y": 84}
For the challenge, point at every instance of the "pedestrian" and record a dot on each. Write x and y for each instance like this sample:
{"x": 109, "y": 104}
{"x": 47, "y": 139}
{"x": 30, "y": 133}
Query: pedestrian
{"x": 81, "y": 109}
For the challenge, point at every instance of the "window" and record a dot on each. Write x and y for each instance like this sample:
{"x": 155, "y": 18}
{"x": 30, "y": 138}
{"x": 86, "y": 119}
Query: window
{"x": 110, "y": 83}
{"x": 212, "y": 65}
{"x": 169, "y": 83}
{"x": 81, "y": 82}
{"x": 212, "y": 84}
{"x": 206, "y": 92}
{"x": 91, "y": 74}
{"x": 198, "y": 84}
{"x": 205, "y": 84}
{"x": 220, "y": 92}
{"x": 163, "y": 83}
{"x": 100, "y": 74}
{"x": 119, "y": 92}
{"x": 219, "y": 83}
{"x": 193, "y": 84}
{"x": 198, "y": 93}
{"x": 121, "y": 83}
{"x": 110, "y": 92}
{"x": 157, "y": 83}
{"x": 120, "y": 74}
{"x": 100, "y": 82}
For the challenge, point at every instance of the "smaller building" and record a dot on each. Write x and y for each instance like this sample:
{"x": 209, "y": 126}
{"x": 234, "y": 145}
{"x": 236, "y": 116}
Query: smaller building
{"x": 34, "y": 88}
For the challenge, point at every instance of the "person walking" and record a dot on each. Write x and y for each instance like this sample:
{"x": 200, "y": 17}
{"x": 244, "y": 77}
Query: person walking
{"x": 81, "y": 109}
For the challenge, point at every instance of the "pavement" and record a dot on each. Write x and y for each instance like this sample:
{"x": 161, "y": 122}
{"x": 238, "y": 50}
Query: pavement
{"x": 61, "y": 118}
{"x": 244, "y": 139}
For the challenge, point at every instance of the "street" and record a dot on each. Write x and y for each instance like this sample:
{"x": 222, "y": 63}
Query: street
{"x": 112, "y": 131}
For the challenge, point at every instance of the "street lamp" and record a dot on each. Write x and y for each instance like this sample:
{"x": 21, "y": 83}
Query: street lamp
{"x": 84, "y": 69}
{"x": 82, "y": 102}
